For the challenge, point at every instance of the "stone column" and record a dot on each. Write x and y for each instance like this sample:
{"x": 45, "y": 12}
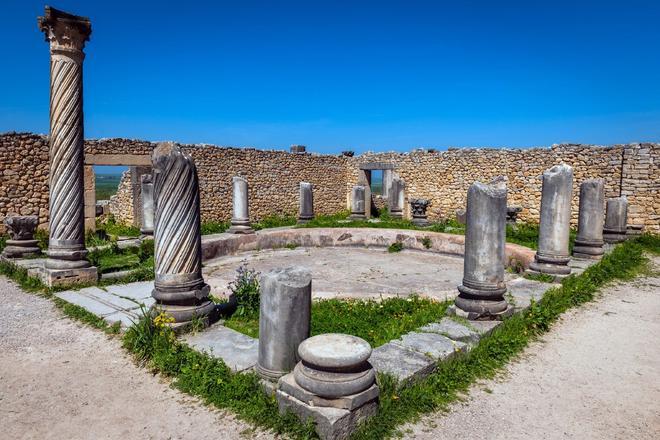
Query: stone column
{"x": 21, "y": 230}
{"x": 418, "y": 208}
{"x": 396, "y": 198}
{"x": 357, "y": 203}
{"x": 616, "y": 219}
{"x": 482, "y": 292}
{"x": 552, "y": 256}
{"x": 67, "y": 254}
{"x": 284, "y": 319}
{"x": 589, "y": 240}
{"x": 240, "y": 221}
{"x": 147, "y": 195}
{"x": 387, "y": 182}
{"x": 306, "y": 202}
{"x": 179, "y": 288}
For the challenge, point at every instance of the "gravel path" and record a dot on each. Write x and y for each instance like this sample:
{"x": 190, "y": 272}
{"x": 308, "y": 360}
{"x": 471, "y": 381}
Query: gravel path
{"x": 596, "y": 375}
{"x": 62, "y": 380}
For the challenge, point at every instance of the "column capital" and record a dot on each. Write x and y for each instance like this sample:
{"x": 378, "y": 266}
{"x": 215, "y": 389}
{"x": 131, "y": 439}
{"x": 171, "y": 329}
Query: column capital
{"x": 65, "y": 32}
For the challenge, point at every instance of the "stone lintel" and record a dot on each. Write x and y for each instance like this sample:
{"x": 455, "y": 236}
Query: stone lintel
{"x": 377, "y": 166}
{"x": 118, "y": 159}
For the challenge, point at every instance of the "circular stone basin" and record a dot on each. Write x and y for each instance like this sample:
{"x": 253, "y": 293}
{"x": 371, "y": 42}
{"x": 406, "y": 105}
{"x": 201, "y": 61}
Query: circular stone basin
{"x": 334, "y": 351}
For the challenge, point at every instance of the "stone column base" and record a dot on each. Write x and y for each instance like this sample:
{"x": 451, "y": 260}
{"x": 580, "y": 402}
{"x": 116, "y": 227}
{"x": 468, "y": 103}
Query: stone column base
{"x": 551, "y": 266}
{"x": 303, "y": 220}
{"x": 396, "y": 214}
{"x": 239, "y": 229}
{"x": 21, "y": 249}
{"x": 420, "y": 221}
{"x": 453, "y": 310}
{"x": 184, "y": 314}
{"x": 357, "y": 217}
{"x": 65, "y": 277}
{"x": 614, "y": 236}
{"x": 334, "y": 419}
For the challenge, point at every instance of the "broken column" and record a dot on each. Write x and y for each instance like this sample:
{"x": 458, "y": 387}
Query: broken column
{"x": 396, "y": 198}
{"x": 552, "y": 256}
{"x": 482, "y": 291}
{"x": 179, "y": 288}
{"x": 616, "y": 218}
{"x": 147, "y": 195}
{"x": 589, "y": 240}
{"x": 357, "y": 203}
{"x": 418, "y": 208}
{"x": 306, "y": 202}
{"x": 240, "y": 221}
{"x": 334, "y": 385}
{"x": 284, "y": 319}
{"x": 66, "y": 263}
{"x": 21, "y": 230}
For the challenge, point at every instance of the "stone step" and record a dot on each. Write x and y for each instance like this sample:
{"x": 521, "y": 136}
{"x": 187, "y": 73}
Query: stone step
{"x": 238, "y": 351}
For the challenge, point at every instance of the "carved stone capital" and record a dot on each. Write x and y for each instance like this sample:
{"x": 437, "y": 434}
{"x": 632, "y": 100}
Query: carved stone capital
{"x": 65, "y": 32}
{"x": 21, "y": 227}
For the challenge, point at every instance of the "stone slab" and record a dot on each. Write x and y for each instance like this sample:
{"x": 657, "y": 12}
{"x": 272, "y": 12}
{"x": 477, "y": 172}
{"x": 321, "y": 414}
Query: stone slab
{"x": 484, "y": 327}
{"x": 125, "y": 318}
{"x": 330, "y": 423}
{"x": 523, "y": 291}
{"x": 404, "y": 364}
{"x": 108, "y": 298}
{"x": 453, "y": 330}
{"x": 436, "y": 346}
{"x": 136, "y": 291}
{"x": 240, "y": 352}
{"x": 288, "y": 385}
{"x": 88, "y": 303}
{"x": 65, "y": 277}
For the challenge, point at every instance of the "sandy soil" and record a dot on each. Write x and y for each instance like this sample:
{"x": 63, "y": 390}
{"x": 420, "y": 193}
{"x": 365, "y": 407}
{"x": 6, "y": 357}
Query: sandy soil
{"x": 596, "y": 375}
{"x": 62, "y": 380}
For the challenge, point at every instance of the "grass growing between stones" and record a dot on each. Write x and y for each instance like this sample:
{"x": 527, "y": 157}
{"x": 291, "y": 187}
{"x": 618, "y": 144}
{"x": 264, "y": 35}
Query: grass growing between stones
{"x": 378, "y": 322}
{"x": 507, "y": 341}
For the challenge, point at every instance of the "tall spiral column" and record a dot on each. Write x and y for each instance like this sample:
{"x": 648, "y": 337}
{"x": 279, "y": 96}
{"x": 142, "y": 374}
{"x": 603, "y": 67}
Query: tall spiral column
{"x": 179, "y": 288}
{"x": 67, "y": 35}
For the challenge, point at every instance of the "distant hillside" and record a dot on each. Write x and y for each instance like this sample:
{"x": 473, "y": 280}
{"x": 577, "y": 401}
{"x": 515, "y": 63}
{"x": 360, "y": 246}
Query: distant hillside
{"x": 106, "y": 185}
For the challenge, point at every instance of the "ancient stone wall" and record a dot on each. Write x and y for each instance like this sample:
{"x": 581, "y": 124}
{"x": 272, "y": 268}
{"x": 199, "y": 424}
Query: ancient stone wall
{"x": 443, "y": 176}
{"x": 121, "y": 204}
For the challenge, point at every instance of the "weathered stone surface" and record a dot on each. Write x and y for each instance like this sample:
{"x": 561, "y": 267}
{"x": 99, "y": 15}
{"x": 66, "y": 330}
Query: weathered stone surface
{"x": 92, "y": 305}
{"x": 404, "y": 364}
{"x": 333, "y": 384}
{"x": 179, "y": 288}
{"x": 453, "y": 330}
{"x": 240, "y": 221}
{"x": 288, "y": 385}
{"x": 21, "y": 230}
{"x": 334, "y": 351}
{"x": 284, "y": 319}
{"x": 589, "y": 240}
{"x": 306, "y": 212}
{"x": 147, "y": 195}
{"x": 358, "y": 203}
{"x": 418, "y": 208}
{"x": 396, "y": 199}
{"x": 482, "y": 291}
{"x": 238, "y": 351}
{"x": 616, "y": 219}
{"x": 434, "y": 345}
{"x": 552, "y": 256}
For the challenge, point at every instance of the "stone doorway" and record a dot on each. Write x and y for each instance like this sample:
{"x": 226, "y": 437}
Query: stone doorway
{"x": 368, "y": 176}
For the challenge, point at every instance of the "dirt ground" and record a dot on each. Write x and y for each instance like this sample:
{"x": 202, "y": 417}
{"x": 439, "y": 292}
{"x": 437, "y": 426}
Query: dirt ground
{"x": 596, "y": 375}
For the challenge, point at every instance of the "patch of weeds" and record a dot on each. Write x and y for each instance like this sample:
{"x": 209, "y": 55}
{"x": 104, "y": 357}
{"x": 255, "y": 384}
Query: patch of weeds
{"x": 112, "y": 228}
{"x": 378, "y": 322}
{"x": 3, "y": 242}
{"x": 97, "y": 238}
{"x": 154, "y": 345}
{"x": 542, "y": 277}
{"x": 275, "y": 221}
{"x": 41, "y": 235}
{"x": 453, "y": 378}
{"x": 245, "y": 289}
{"x": 426, "y": 242}
{"x": 214, "y": 227}
{"x": 397, "y": 246}
{"x": 291, "y": 246}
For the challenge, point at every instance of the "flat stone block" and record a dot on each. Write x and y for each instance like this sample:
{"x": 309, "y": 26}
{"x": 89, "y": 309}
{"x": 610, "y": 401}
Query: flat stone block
{"x": 88, "y": 303}
{"x": 288, "y": 385}
{"x": 136, "y": 291}
{"x": 330, "y": 423}
{"x": 67, "y": 277}
{"x": 404, "y": 364}
{"x": 485, "y": 327}
{"x": 125, "y": 318}
{"x": 453, "y": 330}
{"x": 238, "y": 351}
{"x": 523, "y": 291}
{"x": 108, "y": 298}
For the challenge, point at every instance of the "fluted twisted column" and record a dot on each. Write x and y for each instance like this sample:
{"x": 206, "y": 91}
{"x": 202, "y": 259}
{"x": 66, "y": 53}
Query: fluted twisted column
{"x": 67, "y": 35}
{"x": 179, "y": 288}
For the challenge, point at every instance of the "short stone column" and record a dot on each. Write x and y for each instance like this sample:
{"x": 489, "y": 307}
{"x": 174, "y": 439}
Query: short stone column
{"x": 147, "y": 195}
{"x": 552, "y": 256}
{"x": 21, "y": 230}
{"x": 333, "y": 384}
{"x": 66, "y": 263}
{"x": 418, "y": 208}
{"x": 589, "y": 240}
{"x": 387, "y": 182}
{"x": 306, "y": 202}
{"x": 482, "y": 291}
{"x": 396, "y": 199}
{"x": 616, "y": 219}
{"x": 358, "y": 203}
{"x": 284, "y": 318}
{"x": 240, "y": 221}
{"x": 179, "y": 288}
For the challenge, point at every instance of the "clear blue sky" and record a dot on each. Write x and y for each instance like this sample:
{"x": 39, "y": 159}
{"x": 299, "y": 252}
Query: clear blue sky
{"x": 360, "y": 75}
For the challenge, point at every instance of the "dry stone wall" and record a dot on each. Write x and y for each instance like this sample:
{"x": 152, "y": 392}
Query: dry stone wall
{"x": 273, "y": 176}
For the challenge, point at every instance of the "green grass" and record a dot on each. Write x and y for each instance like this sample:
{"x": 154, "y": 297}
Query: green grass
{"x": 275, "y": 221}
{"x": 375, "y": 321}
{"x": 112, "y": 259}
{"x": 542, "y": 277}
{"x": 106, "y": 185}
{"x": 213, "y": 227}
{"x": 114, "y": 229}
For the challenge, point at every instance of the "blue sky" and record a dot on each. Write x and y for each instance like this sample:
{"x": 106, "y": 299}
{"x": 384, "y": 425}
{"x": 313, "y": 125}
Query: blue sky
{"x": 337, "y": 75}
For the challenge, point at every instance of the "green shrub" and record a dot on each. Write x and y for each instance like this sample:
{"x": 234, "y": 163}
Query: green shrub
{"x": 214, "y": 227}
{"x": 427, "y": 242}
{"x": 246, "y": 291}
{"x": 397, "y": 246}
